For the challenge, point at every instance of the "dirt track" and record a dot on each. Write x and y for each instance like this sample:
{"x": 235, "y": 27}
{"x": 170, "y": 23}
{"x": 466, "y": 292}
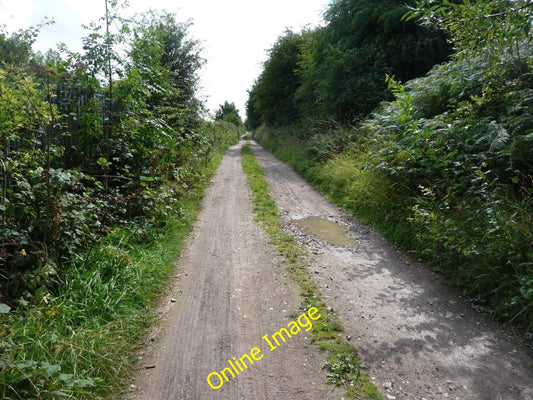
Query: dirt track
{"x": 231, "y": 291}
{"x": 418, "y": 338}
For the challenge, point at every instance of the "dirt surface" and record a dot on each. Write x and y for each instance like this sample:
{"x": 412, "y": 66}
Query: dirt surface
{"x": 419, "y": 339}
{"x": 229, "y": 292}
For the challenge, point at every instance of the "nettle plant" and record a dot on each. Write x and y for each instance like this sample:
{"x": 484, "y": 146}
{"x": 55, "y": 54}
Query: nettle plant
{"x": 459, "y": 146}
{"x": 93, "y": 141}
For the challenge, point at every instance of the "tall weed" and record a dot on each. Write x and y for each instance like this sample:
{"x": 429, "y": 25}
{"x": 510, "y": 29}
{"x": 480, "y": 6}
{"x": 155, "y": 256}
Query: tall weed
{"x": 78, "y": 340}
{"x": 445, "y": 171}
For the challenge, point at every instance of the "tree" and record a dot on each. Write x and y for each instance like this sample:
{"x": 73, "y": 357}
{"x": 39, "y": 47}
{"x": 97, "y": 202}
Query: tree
{"x": 481, "y": 26}
{"x": 337, "y": 72}
{"x": 92, "y": 142}
{"x": 344, "y": 64}
{"x": 168, "y": 61}
{"x": 16, "y": 47}
{"x": 274, "y": 91}
{"x": 228, "y": 112}
{"x": 253, "y": 113}
{"x": 159, "y": 99}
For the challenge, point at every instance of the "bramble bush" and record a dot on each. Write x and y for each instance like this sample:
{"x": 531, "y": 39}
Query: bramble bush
{"x": 445, "y": 168}
{"x": 103, "y": 157}
{"x": 89, "y": 142}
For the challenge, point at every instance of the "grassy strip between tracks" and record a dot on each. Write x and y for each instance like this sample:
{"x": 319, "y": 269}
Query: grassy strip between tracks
{"x": 343, "y": 364}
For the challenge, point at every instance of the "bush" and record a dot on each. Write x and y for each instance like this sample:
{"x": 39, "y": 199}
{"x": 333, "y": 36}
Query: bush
{"x": 444, "y": 170}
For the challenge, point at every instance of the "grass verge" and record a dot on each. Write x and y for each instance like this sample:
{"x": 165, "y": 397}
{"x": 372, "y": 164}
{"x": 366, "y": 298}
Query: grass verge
{"x": 342, "y": 363}
{"x": 81, "y": 340}
{"x": 480, "y": 241}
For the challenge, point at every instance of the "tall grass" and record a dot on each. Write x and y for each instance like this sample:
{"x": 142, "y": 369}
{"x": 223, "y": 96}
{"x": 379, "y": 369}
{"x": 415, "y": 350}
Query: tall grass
{"x": 79, "y": 341}
{"x": 480, "y": 241}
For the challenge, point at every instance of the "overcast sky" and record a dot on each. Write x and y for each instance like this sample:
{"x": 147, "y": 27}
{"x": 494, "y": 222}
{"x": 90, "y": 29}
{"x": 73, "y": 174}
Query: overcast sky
{"x": 235, "y": 34}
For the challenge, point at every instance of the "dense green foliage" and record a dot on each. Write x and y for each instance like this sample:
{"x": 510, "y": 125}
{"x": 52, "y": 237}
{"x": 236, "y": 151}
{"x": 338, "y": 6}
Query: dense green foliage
{"x": 271, "y": 101}
{"x": 81, "y": 341}
{"x": 228, "y": 112}
{"x": 337, "y": 71}
{"x": 87, "y": 144}
{"x": 445, "y": 169}
{"x": 103, "y": 156}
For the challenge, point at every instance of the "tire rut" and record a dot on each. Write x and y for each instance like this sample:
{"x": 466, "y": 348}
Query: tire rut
{"x": 230, "y": 292}
{"x": 419, "y": 338}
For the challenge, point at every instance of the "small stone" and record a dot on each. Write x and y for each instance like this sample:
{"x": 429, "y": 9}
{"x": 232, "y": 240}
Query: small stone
{"x": 387, "y": 385}
{"x": 173, "y": 300}
{"x": 391, "y": 397}
{"x": 348, "y": 337}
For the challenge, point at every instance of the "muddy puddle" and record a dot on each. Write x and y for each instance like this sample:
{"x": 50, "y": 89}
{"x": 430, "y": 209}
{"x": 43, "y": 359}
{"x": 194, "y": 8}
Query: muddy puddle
{"x": 323, "y": 229}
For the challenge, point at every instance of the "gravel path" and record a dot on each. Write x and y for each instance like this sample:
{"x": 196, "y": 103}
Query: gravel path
{"x": 229, "y": 292}
{"x": 419, "y": 338}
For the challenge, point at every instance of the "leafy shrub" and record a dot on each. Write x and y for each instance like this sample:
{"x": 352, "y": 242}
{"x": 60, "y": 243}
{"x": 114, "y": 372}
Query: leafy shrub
{"x": 445, "y": 168}
{"x": 95, "y": 141}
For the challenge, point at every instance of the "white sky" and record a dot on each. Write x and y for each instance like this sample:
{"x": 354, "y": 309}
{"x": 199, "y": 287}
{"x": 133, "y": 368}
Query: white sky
{"x": 235, "y": 34}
